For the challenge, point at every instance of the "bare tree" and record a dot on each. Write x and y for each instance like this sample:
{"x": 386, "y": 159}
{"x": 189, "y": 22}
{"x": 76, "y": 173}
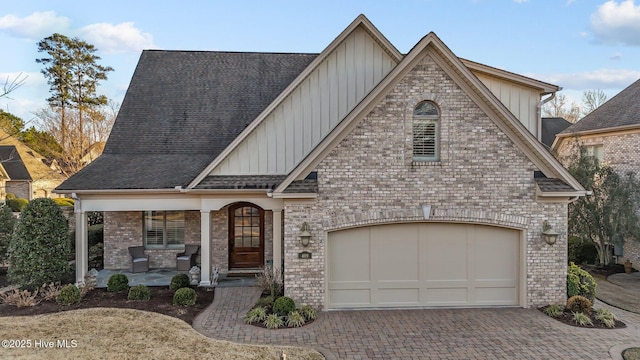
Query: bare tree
{"x": 559, "y": 107}
{"x": 591, "y": 100}
{"x": 11, "y": 85}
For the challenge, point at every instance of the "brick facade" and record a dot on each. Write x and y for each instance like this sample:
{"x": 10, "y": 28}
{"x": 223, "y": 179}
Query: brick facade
{"x": 123, "y": 229}
{"x": 620, "y": 151}
{"x": 370, "y": 177}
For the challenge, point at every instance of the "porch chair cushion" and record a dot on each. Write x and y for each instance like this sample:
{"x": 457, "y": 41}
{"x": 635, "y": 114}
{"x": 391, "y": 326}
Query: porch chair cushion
{"x": 185, "y": 260}
{"x": 139, "y": 260}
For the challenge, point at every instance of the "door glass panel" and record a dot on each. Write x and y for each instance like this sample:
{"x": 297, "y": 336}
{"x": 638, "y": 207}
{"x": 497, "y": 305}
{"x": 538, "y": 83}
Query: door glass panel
{"x": 247, "y": 227}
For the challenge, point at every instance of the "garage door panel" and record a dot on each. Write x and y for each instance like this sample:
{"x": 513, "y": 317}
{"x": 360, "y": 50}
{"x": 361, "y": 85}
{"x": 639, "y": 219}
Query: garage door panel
{"x": 398, "y": 296}
{"x": 423, "y": 264}
{"x": 350, "y": 298}
{"x": 348, "y": 256}
{"x": 394, "y": 251}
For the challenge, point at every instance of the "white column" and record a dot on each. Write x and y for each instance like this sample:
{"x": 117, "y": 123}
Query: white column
{"x": 82, "y": 244}
{"x": 205, "y": 248}
{"x": 277, "y": 238}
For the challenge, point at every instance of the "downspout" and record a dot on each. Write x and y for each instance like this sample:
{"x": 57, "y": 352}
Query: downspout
{"x": 539, "y": 112}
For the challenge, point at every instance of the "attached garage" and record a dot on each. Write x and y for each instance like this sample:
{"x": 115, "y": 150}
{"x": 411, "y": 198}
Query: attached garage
{"x": 423, "y": 265}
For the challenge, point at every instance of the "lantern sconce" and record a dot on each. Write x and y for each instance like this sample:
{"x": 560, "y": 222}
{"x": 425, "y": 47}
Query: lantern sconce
{"x": 548, "y": 234}
{"x": 305, "y": 234}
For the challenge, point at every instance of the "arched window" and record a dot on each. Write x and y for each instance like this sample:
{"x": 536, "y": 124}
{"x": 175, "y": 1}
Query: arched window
{"x": 426, "y": 129}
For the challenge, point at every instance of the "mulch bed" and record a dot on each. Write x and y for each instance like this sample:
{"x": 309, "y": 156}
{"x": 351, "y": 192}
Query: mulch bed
{"x": 567, "y": 318}
{"x": 161, "y": 302}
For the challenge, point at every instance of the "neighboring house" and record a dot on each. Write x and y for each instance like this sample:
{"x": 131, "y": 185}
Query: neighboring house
{"x": 612, "y": 134}
{"x": 27, "y": 175}
{"x": 417, "y": 179}
{"x": 551, "y": 127}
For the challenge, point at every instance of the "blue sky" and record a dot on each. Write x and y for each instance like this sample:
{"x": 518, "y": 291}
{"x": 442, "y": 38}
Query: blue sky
{"x": 576, "y": 44}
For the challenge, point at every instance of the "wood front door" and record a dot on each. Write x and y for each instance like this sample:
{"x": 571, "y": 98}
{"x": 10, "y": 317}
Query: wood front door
{"x": 246, "y": 236}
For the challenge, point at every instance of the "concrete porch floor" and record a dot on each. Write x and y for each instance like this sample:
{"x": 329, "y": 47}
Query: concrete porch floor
{"x": 162, "y": 277}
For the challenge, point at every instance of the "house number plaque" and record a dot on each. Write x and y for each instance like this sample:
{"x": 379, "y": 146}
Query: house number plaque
{"x": 304, "y": 255}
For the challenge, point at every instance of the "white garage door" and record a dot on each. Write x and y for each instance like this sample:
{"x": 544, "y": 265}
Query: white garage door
{"x": 423, "y": 264}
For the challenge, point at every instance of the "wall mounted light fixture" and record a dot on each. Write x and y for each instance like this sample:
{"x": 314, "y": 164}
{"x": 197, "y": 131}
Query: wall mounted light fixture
{"x": 305, "y": 234}
{"x": 548, "y": 234}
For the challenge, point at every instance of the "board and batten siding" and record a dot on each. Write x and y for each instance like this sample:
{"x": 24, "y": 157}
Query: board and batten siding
{"x": 521, "y": 101}
{"x": 312, "y": 110}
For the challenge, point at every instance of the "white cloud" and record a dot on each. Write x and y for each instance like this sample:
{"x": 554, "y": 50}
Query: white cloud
{"x": 598, "y": 79}
{"x": 35, "y": 26}
{"x": 119, "y": 38}
{"x": 617, "y": 23}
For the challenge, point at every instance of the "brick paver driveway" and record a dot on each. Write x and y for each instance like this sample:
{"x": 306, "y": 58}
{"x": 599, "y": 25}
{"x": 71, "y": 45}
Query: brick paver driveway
{"x": 500, "y": 333}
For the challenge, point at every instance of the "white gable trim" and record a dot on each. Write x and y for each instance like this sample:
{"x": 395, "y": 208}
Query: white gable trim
{"x": 545, "y": 88}
{"x": 479, "y": 93}
{"x": 360, "y": 21}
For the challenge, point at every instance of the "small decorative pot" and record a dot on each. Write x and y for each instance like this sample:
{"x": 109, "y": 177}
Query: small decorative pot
{"x": 195, "y": 275}
{"x": 628, "y": 267}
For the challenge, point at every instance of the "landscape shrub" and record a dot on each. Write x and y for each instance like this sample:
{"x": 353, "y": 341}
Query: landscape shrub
{"x": 185, "y": 297}
{"x": 308, "y": 312}
{"x": 17, "y": 205}
{"x": 96, "y": 256}
{"x": 64, "y": 201}
{"x": 139, "y": 293}
{"x": 270, "y": 280}
{"x": 273, "y": 321}
{"x": 579, "y": 303}
{"x": 50, "y": 291}
{"x": 257, "y": 314}
{"x": 69, "y": 295}
{"x": 607, "y": 317}
{"x": 582, "y": 319}
{"x": 20, "y": 298}
{"x": 117, "y": 283}
{"x": 266, "y": 301}
{"x": 10, "y": 196}
{"x": 582, "y": 251}
{"x": 554, "y": 310}
{"x": 95, "y": 234}
{"x": 283, "y": 306}
{"x": 95, "y": 217}
{"x": 39, "y": 249}
{"x": 580, "y": 282}
{"x": 7, "y": 224}
{"x": 295, "y": 319}
{"x": 179, "y": 281}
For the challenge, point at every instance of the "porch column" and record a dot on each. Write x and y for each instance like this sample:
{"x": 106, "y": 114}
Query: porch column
{"x": 277, "y": 238}
{"x": 205, "y": 248}
{"x": 82, "y": 243}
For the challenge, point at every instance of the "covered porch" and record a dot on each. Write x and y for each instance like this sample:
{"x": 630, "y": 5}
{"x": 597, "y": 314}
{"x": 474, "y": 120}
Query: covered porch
{"x": 209, "y": 224}
{"x": 162, "y": 277}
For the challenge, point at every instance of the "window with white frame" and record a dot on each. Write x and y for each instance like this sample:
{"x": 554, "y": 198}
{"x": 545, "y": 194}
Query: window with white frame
{"x": 164, "y": 229}
{"x": 426, "y": 120}
{"x": 597, "y": 151}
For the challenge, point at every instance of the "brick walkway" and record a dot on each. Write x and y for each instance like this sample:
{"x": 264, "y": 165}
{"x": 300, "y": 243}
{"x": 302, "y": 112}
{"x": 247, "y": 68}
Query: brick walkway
{"x": 500, "y": 333}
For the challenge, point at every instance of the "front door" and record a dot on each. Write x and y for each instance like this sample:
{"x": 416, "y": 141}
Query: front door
{"x": 246, "y": 236}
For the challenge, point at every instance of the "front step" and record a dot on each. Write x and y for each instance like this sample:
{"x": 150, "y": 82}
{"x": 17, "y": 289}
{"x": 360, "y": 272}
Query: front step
{"x": 244, "y": 272}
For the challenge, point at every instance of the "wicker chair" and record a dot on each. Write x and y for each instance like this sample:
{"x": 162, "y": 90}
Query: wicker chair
{"x": 185, "y": 260}
{"x": 139, "y": 260}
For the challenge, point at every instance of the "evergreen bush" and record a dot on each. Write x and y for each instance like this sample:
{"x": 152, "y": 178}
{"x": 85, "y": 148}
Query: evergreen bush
{"x": 69, "y": 295}
{"x": 17, "y": 205}
{"x": 7, "y": 224}
{"x": 283, "y": 306}
{"x": 139, "y": 293}
{"x": 179, "y": 281}
{"x": 39, "y": 248}
{"x": 118, "y": 282}
{"x": 580, "y": 282}
{"x": 185, "y": 297}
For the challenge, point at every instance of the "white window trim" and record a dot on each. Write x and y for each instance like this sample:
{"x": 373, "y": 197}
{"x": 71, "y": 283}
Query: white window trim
{"x": 165, "y": 245}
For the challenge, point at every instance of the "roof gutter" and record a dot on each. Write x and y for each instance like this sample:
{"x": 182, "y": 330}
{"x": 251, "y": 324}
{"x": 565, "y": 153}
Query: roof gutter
{"x": 539, "y": 112}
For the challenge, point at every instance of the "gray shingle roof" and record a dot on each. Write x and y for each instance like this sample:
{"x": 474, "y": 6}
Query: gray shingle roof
{"x": 12, "y": 163}
{"x": 551, "y": 127}
{"x": 621, "y": 110}
{"x": 553, "y": 185}
{"x": 267, "y": 182}
{"x": 181, "y": 110}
